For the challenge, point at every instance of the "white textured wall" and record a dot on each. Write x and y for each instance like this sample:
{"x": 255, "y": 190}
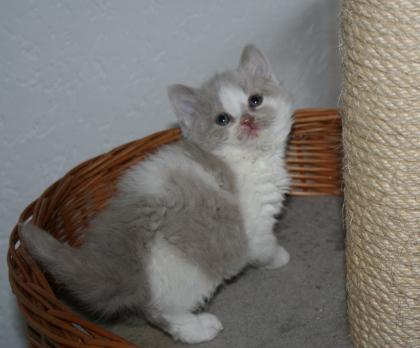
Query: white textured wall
{"x": 79, "y": 77}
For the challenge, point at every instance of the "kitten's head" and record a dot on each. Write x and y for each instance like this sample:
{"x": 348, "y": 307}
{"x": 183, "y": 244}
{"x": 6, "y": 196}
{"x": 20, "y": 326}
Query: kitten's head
{"x": 242, "y": 108}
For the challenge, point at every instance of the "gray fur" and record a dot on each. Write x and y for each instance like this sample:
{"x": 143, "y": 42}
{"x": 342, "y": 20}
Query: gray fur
{"x": 108, "y": 273}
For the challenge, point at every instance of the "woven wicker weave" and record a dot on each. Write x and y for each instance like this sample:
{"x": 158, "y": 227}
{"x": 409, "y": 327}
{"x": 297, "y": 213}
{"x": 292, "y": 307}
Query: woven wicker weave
{"x": 65, "y": 208}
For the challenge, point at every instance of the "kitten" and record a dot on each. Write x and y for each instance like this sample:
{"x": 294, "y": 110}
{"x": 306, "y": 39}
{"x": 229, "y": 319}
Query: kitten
{"x": 191, "y": 215}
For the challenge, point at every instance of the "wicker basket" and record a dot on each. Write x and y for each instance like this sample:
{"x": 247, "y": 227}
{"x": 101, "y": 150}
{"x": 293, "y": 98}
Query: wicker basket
{"x": 65, "y": 208}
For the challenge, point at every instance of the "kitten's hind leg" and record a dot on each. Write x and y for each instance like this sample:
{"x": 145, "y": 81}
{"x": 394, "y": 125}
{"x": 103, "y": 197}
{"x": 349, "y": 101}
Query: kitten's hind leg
{"x": 177, "y": 287}
{"x": 267, "y": 253}
{"x": 280, "y": 258}
{"x": 192, "y": 328}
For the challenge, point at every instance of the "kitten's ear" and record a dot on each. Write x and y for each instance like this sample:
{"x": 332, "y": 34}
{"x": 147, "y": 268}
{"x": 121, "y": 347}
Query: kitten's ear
{"x": 254, "y": 63}
{"x": 184, "y": 100}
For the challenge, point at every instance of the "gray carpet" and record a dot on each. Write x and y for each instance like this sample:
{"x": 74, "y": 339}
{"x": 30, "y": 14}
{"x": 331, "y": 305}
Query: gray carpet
{"x": 301, "y": 305}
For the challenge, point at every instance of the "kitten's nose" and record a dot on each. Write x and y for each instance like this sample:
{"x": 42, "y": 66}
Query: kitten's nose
{"x": 248, "y": 120}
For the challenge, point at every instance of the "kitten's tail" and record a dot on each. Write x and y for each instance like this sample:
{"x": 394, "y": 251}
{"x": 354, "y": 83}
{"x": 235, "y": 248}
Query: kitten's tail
{"x": 95, "y": 286}
{"x": 59, "y": 259}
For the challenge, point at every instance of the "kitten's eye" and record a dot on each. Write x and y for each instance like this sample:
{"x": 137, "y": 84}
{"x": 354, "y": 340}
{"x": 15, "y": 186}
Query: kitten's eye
{"x": 223, "y": 119}
{"x": 255, "y": 100}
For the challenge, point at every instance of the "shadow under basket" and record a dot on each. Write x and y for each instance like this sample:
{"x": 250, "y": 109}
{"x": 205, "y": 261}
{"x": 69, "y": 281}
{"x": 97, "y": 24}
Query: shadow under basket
{"x": 66, "y": 207}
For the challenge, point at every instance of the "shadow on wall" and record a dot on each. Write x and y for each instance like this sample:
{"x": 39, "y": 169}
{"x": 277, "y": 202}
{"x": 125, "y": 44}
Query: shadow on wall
{"x": 311, "y": 54}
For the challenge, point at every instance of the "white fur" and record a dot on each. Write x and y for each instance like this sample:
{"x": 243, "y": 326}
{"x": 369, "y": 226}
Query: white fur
{"x": 176, "y": 287}
{"x": 283, "y": 125}
{"x": 176, "y": 284}
{"x": 262, "y": 184}
{"x": 192, "y": 328}
{"x": 281, "y": 258}
{"x": 151, "y": 177}
{"x": 233, "y": 99}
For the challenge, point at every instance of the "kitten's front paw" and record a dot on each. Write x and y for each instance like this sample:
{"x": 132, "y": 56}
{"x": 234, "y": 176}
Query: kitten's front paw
{"x": 280, "y": 258}
{"x": 198, "y": 328}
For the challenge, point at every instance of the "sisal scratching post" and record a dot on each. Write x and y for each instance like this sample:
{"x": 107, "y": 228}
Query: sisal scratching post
{"x": 380, "y": 42}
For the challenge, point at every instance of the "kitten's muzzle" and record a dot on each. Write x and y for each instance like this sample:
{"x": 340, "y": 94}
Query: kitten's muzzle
{"x": 249, "y": 126}
{"x": 248, "y": 121}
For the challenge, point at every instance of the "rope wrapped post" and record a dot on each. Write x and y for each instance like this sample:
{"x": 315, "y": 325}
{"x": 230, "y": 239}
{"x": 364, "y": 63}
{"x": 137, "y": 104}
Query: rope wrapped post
{"x": 380, "y": 105}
